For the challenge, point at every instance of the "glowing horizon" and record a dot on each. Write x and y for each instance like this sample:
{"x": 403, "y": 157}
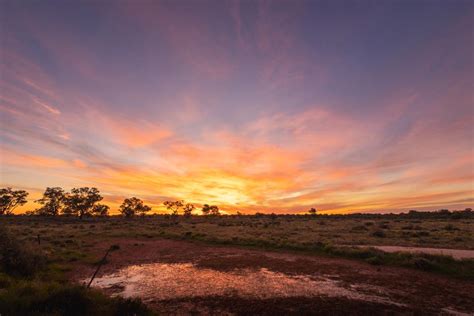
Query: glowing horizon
{"x": 265, "y": 106}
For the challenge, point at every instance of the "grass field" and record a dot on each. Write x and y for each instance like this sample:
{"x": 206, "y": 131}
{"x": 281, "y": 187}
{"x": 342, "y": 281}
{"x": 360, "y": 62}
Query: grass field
{"x": 52, "y": 247}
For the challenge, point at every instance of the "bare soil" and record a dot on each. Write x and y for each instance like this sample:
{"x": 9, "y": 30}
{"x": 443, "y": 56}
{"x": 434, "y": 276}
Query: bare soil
{"x": 455, "y": 253}
{"x": 415, "y": 292}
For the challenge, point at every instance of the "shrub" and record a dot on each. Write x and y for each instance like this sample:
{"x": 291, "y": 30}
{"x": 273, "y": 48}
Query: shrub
{"x": 383, "y": 226}
{"x": 376, "y": 261}
{"x": 422, "y": 263}
{"x": 5, "y": 281}
{"x": 34, "y": 298}
{"x": 17, "y": 258}
{"x": 450, "y": 227}
{"x": 126, "y": 307}
{"x": 379, "y": 234}
{"x": 421, "y": 234}
{"x": 359, "y": 228}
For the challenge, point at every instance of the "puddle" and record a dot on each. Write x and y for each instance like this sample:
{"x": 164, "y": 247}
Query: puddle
{"x": 455, "y": 253}
{"x": 160, "y": 281}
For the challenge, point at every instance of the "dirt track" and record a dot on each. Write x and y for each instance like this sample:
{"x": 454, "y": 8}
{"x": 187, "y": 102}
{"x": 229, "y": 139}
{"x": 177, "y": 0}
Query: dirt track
{"x": 414, "y": 292}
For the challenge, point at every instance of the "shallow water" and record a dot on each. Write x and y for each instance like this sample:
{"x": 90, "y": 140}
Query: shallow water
{"x": 159, "y": 281}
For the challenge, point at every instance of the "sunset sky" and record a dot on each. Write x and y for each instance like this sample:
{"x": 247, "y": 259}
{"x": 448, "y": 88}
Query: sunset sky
{"x": 270, "y": 106}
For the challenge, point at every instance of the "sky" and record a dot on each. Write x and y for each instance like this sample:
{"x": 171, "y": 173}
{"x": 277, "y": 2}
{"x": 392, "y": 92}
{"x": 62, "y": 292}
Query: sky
{"x": 268, "y": 106}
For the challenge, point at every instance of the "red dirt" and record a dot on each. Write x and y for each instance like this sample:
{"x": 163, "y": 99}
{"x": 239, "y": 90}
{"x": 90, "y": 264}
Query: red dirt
{"x": 420, "y": 292}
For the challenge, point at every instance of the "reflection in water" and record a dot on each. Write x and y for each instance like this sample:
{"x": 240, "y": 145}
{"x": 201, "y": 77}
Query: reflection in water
{"x": 159, "y": 281}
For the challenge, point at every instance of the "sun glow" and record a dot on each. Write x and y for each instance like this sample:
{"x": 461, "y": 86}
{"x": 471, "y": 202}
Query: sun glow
{"x": 239, "y": 110}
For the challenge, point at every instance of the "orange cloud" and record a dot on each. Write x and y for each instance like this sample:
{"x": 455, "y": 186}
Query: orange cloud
{"x": 12, "y": 158}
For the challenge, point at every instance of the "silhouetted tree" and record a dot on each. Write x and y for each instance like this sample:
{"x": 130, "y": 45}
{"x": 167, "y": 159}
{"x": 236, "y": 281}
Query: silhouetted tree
{"x": 210, "y": 210}
{"x": 206, "y": 209}
{"x": 52, "y": 201}
{"x": 214, "y": 210}
{"x": 174, "y": 207}
{"x": 10, "y": 199}
{"x": 100, "y": 210}
{"x": 188, "y": 210}
{"x": 312, "y": 211}
{"x": 81, "y": 201}
{"x": 133, "y": 206}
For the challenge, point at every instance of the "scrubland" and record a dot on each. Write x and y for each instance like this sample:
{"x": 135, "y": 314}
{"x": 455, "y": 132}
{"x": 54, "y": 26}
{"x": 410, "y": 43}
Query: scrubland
{"x": 38, "y": 255}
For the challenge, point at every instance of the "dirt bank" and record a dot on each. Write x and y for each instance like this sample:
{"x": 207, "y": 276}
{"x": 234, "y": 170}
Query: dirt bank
{"x": 455, "y": 253}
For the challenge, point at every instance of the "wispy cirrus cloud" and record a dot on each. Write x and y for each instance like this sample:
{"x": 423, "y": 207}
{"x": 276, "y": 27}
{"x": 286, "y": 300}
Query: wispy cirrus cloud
{"x": 265, "y": 106}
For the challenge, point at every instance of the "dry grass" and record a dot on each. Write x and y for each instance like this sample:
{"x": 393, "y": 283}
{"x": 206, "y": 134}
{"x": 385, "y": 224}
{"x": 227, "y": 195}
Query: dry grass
{"x": 69, "y": 238}
{"x": 66, "y": 241}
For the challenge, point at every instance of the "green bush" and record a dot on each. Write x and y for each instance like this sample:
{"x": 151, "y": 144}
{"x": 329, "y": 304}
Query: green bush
{"x": 39, "y": 298}
{"x": 18, "y": 258}
{"x": 374, "y": 260}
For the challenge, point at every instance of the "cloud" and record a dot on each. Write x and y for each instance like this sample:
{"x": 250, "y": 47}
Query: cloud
{"x": 130, "y": 131}
{"x": 232, "y": 105}
{"x": 49, "y": 108}
{"x": 190, "y": 31}
{"x": 10, "y": 157}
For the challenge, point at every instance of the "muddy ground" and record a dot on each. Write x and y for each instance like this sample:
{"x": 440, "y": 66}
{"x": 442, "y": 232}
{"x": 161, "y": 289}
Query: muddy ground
{"x": 411, "y": 291}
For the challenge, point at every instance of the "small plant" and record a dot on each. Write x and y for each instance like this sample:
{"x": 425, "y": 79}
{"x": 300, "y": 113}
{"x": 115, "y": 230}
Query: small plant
{"x": 114, "y": 247}
{"x": 422, "y": 263}
{"x": 359, "y": 228}
{"x": 383, "y": 225}
{"x": 376, "y": 260}
{"x": 450, "y": 227}
{"x": 421, "y": 234}
{"x": 379, "y": 234}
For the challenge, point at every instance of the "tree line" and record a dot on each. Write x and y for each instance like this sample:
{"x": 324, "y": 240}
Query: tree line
{"x": 84, "y": 201}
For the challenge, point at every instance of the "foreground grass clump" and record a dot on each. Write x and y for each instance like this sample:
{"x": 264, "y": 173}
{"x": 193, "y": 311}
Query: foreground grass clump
{"x": 30, "y": 285}
{"x": 18, "y": 258}
{"x": 48, "y": 298}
